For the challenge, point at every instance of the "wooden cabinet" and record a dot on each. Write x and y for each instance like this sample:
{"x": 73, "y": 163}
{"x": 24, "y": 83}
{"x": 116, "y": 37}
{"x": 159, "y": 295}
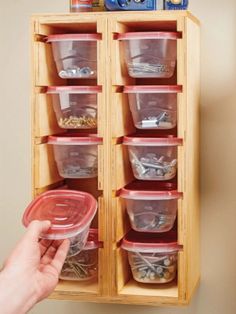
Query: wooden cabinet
{"x": 115, "y": 283}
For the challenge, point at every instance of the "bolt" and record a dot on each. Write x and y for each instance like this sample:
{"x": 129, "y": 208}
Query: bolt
{"x": 154, "y": 166}
{"x": 141, "y": 170}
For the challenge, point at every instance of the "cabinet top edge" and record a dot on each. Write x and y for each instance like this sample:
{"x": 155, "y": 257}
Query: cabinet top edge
{"x": 118, "y": 15}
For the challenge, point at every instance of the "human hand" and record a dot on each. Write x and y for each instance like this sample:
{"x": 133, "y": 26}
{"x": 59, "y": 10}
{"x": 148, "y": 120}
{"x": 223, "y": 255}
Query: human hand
{"x": 32, "y": 270}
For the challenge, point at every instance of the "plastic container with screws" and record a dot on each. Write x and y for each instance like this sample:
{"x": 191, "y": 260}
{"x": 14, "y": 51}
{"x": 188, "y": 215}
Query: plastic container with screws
{"x": 150, "y": 54}
{"x": 151, "y": 210}
{"x": 152, "y": 257}
{"x": 75, "y": 55}
{"x": 70, "y": 212}
{"x": 84, "y": 265}
{"x": 76, "y": 155}
{"x": 75, "y": 106}
{"x": 153, "y": 158}
{"x": 153, "y": 107}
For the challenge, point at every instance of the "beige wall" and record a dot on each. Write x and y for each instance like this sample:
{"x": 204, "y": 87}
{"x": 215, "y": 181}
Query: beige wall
{"x": 217, "y": 292}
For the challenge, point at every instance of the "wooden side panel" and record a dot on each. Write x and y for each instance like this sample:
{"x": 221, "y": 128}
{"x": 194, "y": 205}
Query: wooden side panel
{"x": 122, "y": 269}
{"x": 46, "y": 172}
{"x": 45, "y": 67}
{"x": 118, "y": 68}
{"x": 101, "y": 113}
{"x": 102, "y": 51}
{"x": 121, "y": 219}
{"x": 181, "y": 122}
{"x": 100, "y": 167}
{"x": 45, "y": 122}
{"x": 121, "y": 169}
{"x": 192, "y": 156}
{"x": 121, "y": 117}
{"x": 102, "y": 271}
{"x": 101, "y": 219}
{"x": 188, "y": 129}
{"x": 101, "y": 75}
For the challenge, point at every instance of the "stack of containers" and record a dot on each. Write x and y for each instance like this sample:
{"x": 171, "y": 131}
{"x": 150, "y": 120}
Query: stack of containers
{"x": 76, "y": 154}
{"x": 152, "y": 247}
{"x": 75, "y": 107}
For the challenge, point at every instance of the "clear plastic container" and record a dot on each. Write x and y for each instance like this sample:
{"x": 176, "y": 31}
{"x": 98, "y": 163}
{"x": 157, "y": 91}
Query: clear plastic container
{"x": 152, "y": 258}
{"x": 75, "y": 106}
{"x": 151, "y": 211}
{"x": 75, "y": 55}
{"x": 76, "y": 155}
{"x": 150, "y": 54}
{"x": 153, "y": 158}
{"x": 70, "y": 213}
{"x": 84, "y": 265}
{"x": 153, "y": 107}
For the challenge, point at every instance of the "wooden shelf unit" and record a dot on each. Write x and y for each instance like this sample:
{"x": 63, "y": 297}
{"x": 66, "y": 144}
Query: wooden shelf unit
{"x": 115, "y": 283}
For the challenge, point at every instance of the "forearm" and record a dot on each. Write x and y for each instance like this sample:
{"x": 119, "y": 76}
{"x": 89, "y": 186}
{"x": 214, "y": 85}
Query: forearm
{"x": 15, "y": 295}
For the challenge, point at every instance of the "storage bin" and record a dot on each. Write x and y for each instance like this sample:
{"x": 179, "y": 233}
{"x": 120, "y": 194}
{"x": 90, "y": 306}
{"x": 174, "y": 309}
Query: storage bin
{"x": 153, "y": 158}
{"x": 75, "y": 106}
{"x": 75, "y": 54}
{"x": 152, "y": 257}
{"x": 150, "y": 54}
{"x": 151, "y": 210}
{"x": 76, "y": 155}
{"x": 84, "y": 265}
{"x": 153, "y": 107}
{"x": 70, "y": 212}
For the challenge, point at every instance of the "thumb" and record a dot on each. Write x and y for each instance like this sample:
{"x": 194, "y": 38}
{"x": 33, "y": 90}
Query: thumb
{"x": 36, "y": 228}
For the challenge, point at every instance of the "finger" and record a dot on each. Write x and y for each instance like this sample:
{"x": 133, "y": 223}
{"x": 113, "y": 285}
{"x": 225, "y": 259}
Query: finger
{"x": 48, "y": 255}
{"x": 44, "y": 244}
{"x": 60, "y": 256}
{"x": 50, "y": 252}
{"x": 36, "y": 228}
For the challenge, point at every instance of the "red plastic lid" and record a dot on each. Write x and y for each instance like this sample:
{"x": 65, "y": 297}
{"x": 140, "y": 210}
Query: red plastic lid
{"x": 70, "y": 212}
{"x": 152, "y": 141}
{"x": 74, "y": 37}
{"x": 150, "y": 195}
{"x": 92, "y": 242}
{"x": 137, "y": 185}
{"x": 73, "y": 139}
{"x": 151, "y": 242}
{"x": 149, "y": 35}
{"x": 145, "y": 89}
{"x": 74, "y": 89}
